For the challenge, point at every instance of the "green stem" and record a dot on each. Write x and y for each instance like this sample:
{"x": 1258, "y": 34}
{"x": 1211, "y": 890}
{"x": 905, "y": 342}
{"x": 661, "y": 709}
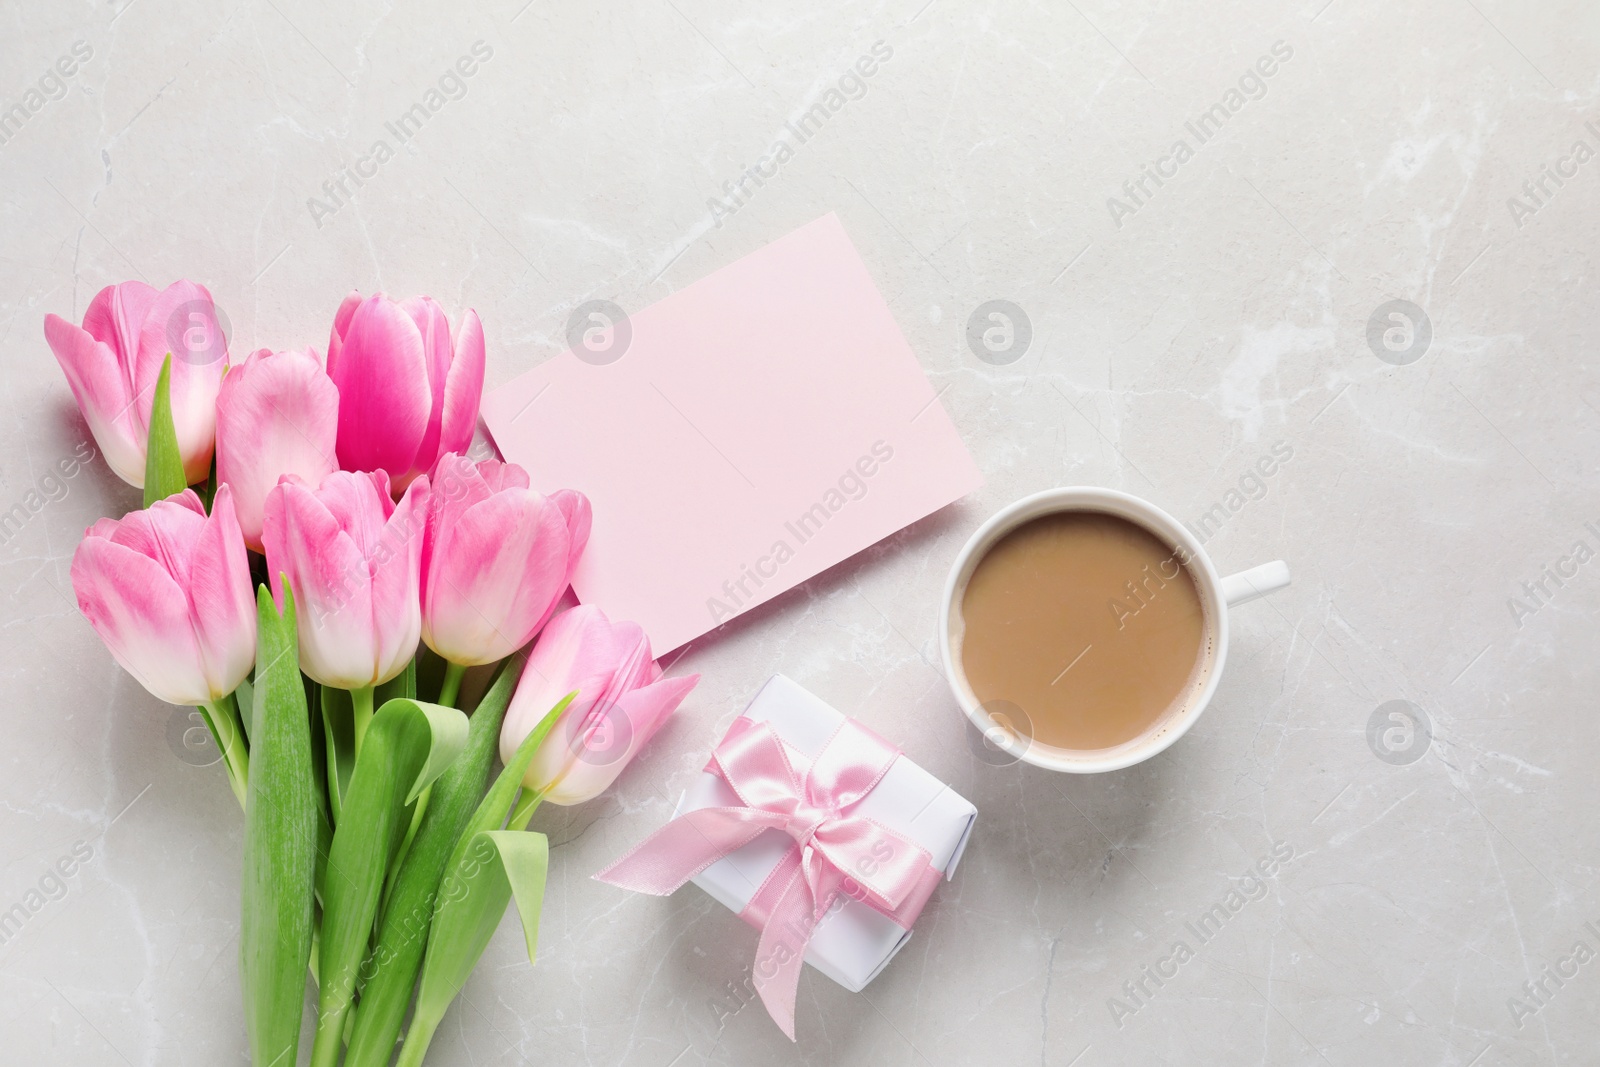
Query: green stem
{"x": 453, "y": 673}
{"x": 222, "y": 715}
{"x": 361, "y": 701}
{"x": 527, "y": 803}
{"x": 325, "y": 1049}
{"x": 418, "y": 1038}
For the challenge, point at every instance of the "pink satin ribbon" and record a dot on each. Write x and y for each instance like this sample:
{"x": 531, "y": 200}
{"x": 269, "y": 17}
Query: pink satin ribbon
{"x": 836, "y": 853}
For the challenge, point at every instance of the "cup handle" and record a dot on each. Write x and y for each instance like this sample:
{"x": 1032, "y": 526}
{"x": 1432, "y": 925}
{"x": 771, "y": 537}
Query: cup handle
{"x": 1255, "y": 582}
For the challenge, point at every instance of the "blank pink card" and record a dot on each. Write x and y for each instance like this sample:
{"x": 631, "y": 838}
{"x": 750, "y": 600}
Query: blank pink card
{"x": 760, "y": 426}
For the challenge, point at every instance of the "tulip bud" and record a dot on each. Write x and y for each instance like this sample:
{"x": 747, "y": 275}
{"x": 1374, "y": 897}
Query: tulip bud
{"x": 112, "y": 362}
{"x": 168, "y": 590}
{"x": 622, "y": 700}
{"x": 352, "y": 556}
{"x": 277, "y": 414}
{"x": 496, "y": 559}
{"x": 408, "y": 390}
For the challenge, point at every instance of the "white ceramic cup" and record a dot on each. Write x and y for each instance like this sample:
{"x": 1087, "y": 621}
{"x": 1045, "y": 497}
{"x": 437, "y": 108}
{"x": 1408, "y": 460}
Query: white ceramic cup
{"x": 1217, "y": 595}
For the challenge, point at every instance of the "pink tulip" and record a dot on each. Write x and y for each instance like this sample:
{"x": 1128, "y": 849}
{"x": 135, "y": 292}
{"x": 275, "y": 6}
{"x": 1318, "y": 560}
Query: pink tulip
{"x": 409, "y": 391}
{"x": 609, "y": 664}
{"x": 277, "y": 414}
{"x": 113, "y": 360}
{"x": 352, "y": 556}
{"x": 496, "y": 558}
{"x": 168, "y": 590}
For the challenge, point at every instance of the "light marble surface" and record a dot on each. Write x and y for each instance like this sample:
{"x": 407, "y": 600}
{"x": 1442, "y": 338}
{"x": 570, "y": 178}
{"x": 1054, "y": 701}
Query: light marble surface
{"x": 1227, "y": 312}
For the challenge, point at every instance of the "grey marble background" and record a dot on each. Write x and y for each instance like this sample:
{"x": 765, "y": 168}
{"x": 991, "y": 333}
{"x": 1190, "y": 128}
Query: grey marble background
{"x": 1174, "y": 341}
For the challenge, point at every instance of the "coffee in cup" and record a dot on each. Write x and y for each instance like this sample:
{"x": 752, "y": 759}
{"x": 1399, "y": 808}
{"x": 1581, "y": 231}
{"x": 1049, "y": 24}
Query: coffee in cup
{"x": 1085, "y": 629}
{"x": 1087, "y": 622}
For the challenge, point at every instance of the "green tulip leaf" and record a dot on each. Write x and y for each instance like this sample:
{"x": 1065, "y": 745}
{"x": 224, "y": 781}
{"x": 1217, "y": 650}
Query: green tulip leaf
{"x": 319, "y": 787}
{"x": 163, "y": 463}
{"x": 244, "y": 696}
{"x": 208, "y": 488}
{"x": 407, "y": 746}
{"x": 497, "y": 866}
{"x": 392, "y": 967}
{"x": 280, "y": 843}
{"x": 469, "y": 903}
{"x": 452, "y": 730}
{"x": 491, "y": 813}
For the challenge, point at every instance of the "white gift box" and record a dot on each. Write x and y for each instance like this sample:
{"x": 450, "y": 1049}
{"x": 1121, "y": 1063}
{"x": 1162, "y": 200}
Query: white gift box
{"x": 852, "y": 943}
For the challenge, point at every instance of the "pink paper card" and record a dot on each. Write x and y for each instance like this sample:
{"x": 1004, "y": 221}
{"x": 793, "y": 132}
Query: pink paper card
{"x": 761, "y": 425}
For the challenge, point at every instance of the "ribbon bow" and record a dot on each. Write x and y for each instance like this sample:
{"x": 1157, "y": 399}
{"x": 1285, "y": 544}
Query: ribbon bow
{"x": 836, "y": 853}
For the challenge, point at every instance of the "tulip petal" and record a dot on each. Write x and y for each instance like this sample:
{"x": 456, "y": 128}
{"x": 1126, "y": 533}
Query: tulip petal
{"x": 648, "y": 708}
{"x": 359, "y": 502}
{"x": 384, "y": 396}
{"x": 495, "y": 573}
{"x": 580, "y": 649}
{"x": 435, "y": 330}
{"x": 580, "y": 517}
{"x": 463, "y": 387}
{"x": 555, "y": 754}
{"x": 454, "y": 485}
{"x": 187, "y": 499}
{"x": 168, "y": 590}
{"x": 498, "y": 476}
{"x": 332, "y": 586}
{"x": 396, "y": 606}
{"x": 638, "y": 715}
{"x": 182, "y": 320}
{"x": 224, "y": 610}
{"x": 116, "y": 316}
{"x": 165, "y": 531}
{"x": 341, "y": 325}
{"x": 142, "y": 615}
{"x": 600, "y": 646}
{"x": 101, "y": 389}
{"x": 458, "y": 484}
{"x": 277, "y": 414}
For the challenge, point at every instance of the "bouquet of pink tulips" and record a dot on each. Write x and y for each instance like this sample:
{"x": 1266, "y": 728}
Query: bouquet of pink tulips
{"x": 337, "y": 525}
